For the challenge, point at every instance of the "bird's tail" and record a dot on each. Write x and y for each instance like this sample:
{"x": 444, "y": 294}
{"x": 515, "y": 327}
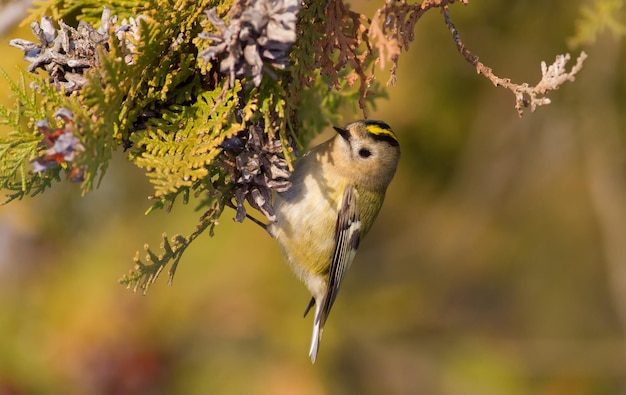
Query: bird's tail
{"x": 318, "y": 328}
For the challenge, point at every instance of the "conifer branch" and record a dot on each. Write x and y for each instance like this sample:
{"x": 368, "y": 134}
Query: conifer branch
{"x": 213, "y": 99}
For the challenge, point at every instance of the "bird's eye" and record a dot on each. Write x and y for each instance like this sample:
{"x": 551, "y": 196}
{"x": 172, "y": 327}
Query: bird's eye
{"x": 364, "y": 153}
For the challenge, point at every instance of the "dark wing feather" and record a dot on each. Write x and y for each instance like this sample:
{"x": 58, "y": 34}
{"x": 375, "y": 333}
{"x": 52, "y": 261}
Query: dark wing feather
{"x": 347, "y": 237}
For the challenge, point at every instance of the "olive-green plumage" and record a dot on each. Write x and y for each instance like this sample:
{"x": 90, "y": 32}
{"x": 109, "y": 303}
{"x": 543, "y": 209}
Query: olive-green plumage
{"x": 337, "y": 190}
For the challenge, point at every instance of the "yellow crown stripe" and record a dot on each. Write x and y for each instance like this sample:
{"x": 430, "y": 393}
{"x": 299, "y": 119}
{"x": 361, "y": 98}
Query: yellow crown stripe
{"x": 379, "y": 131}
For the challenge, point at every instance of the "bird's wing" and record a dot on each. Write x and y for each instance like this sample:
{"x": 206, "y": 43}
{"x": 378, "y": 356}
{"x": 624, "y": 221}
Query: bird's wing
{"x": 347, "y": 237}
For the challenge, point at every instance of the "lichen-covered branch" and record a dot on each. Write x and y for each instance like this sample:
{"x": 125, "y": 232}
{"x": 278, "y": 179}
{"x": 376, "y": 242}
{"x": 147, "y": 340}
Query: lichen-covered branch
{"x": 552, "y": 77}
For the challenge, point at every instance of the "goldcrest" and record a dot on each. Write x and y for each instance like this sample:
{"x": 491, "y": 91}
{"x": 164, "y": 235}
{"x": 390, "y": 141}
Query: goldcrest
{"x": 337, "y": 190}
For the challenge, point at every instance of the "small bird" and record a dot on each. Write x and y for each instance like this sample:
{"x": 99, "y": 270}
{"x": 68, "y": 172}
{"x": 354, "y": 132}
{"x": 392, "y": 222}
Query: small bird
{"x": 337, "y": 190}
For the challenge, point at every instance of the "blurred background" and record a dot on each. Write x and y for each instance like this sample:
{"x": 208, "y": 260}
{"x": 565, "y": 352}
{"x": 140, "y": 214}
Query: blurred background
{"x": 497, "y": 264}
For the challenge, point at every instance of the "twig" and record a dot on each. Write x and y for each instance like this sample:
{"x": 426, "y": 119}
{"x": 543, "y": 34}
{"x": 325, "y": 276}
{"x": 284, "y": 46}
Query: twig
{"x": 552, "y": 77}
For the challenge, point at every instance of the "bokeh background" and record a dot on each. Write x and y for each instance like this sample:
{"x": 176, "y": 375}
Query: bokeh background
{"x": 497, "y": 265}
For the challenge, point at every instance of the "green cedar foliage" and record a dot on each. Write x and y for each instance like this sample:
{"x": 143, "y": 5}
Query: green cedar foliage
{"x": 169, "y": 110}
{"x": 23, "y": 142}
{"x": 597, "y": 17}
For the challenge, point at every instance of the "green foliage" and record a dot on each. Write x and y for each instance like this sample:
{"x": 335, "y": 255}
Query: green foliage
{"x": 150, "y": 93}
{"x": 119, "y": 94}
{"x": 594, "y": 19}
{"x": 177, "y": 148}
{"x": 23, "y": 142}
{"x": 146, "y": 273}
{"x": 88, "y": 10}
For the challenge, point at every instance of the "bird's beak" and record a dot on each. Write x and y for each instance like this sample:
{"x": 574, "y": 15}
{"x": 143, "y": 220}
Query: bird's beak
{"x": 342, "y": 132}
